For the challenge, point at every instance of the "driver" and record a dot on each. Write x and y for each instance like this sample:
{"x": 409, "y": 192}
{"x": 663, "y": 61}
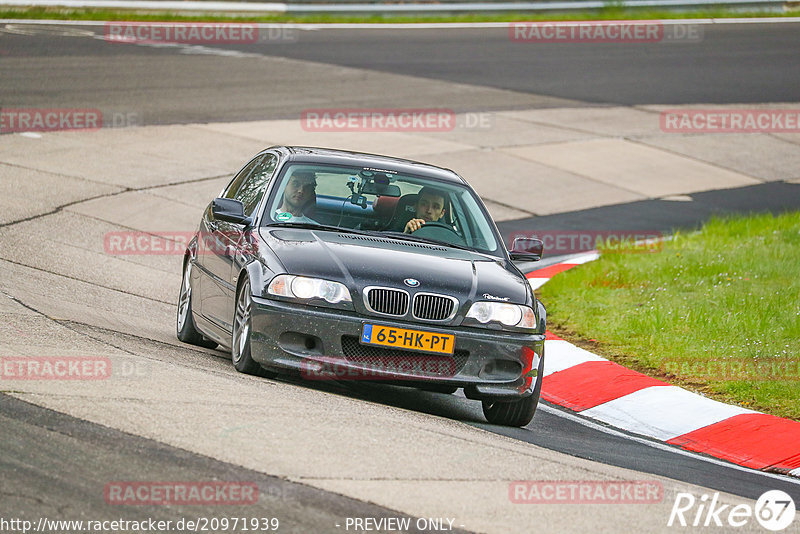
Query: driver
{"x": 298, "y": 197}
{"x": 430, "y": 208}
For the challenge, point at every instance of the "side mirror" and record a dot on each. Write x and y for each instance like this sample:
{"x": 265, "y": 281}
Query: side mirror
{"x": 229, "y": 210}
{"x": 526, "y": 249}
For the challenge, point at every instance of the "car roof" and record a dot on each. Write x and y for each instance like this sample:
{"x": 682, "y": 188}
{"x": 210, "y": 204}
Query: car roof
{"x": 303, "y": 154}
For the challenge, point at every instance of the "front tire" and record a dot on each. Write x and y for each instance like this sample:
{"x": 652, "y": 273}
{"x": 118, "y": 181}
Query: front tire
{"x": 185, "y": 328}
{"x": 242, "y": 329}
{"x": 516, "y": 413}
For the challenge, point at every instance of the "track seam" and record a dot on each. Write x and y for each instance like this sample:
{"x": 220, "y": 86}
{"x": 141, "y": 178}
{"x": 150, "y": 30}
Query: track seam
{"x": 62, "y": 207}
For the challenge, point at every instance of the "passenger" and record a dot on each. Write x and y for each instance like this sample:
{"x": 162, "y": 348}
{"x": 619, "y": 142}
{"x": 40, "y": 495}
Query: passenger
{"x": 299, "y": 197}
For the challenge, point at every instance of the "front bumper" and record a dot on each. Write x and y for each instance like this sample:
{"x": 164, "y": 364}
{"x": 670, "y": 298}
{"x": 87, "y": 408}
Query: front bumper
{"x": 323, "y": 343}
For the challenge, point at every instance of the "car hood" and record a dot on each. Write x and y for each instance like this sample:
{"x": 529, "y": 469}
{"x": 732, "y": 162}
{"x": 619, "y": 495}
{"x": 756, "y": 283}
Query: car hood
{"x": 362, "y": 260}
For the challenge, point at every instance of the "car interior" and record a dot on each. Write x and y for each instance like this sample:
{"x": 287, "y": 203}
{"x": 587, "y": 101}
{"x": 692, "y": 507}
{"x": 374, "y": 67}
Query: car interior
{"x": 379, "y": 201}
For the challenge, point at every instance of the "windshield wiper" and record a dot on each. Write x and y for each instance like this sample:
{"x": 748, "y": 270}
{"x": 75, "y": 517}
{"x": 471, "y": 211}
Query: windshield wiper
{"x": 315, "y": 226}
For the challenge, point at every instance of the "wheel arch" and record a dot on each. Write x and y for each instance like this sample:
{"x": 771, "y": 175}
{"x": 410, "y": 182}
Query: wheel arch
{"x": 256, "y": 275}
{"x": 542, "y": 317}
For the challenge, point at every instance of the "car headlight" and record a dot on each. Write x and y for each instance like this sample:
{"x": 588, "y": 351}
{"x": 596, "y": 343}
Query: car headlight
{"x": 514, "y": 315}
{"x": 305, "y": 288}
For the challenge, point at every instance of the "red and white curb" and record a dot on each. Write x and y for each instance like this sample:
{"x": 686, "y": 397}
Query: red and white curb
{"x": 605, "y": 391}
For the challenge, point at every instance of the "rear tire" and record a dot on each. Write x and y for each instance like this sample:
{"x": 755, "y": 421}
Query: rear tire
{"x": 242, "y": 328}
{"x": 185, "y": 328}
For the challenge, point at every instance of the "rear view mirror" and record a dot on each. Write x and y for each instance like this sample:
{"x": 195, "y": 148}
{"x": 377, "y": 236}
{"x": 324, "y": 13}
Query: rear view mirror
{"x": 378, "y": 189}
{"x": 526, "y": 249}
{"x": 229, "y": 210}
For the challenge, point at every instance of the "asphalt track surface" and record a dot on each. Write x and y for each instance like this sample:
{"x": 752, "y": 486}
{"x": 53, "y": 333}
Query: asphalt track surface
{"x": 742, "y": 63}
{"x": 60, "y": 477}
{"x": 708, "y": 71}
{"x": 664, "y": 216}
{"x": 736, "y": 63}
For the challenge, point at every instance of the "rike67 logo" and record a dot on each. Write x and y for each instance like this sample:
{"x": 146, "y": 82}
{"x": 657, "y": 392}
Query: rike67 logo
{"x": 774, "y": 511}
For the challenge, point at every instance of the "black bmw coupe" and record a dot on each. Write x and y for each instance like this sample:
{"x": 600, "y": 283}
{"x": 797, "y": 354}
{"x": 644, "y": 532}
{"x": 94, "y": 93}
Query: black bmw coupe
{"x": 348, "y": 266}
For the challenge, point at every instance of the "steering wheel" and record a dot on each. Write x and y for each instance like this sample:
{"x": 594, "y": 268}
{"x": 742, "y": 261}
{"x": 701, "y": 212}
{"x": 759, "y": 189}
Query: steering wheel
{"x": 440, "y": 232}
{"x": 435, "y": 224}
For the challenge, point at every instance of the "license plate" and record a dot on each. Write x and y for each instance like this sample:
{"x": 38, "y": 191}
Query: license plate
{"x": 403, "y": 338}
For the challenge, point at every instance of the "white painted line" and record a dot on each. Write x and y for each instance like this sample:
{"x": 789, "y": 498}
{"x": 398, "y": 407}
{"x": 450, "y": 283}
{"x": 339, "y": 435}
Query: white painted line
{"x": 542, "y": 6}
{"x": 795, "y": 472}
{"x": 662, "y": 412}
{"x": 44, "y": 22}
{"x": 560, "y": 355}
{"x": 378, "y": 8}
{"x": 583, "y": 258}
{"x": 750, "y": 20}
{"x": 663, "y": 446}
{"x": 159, "y": 5}
{"x": 406, "y": 26}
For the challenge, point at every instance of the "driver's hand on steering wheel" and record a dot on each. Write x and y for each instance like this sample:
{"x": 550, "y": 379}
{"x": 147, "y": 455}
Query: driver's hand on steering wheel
{"x": 413, "y": 225}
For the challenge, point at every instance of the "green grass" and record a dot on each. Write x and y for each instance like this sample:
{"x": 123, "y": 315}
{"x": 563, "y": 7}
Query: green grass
{"x": 612, "y": 12}
{"x": 717, "y": 310}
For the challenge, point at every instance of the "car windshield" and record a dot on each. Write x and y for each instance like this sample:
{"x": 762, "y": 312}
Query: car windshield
{"x": 383, "y": 202}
